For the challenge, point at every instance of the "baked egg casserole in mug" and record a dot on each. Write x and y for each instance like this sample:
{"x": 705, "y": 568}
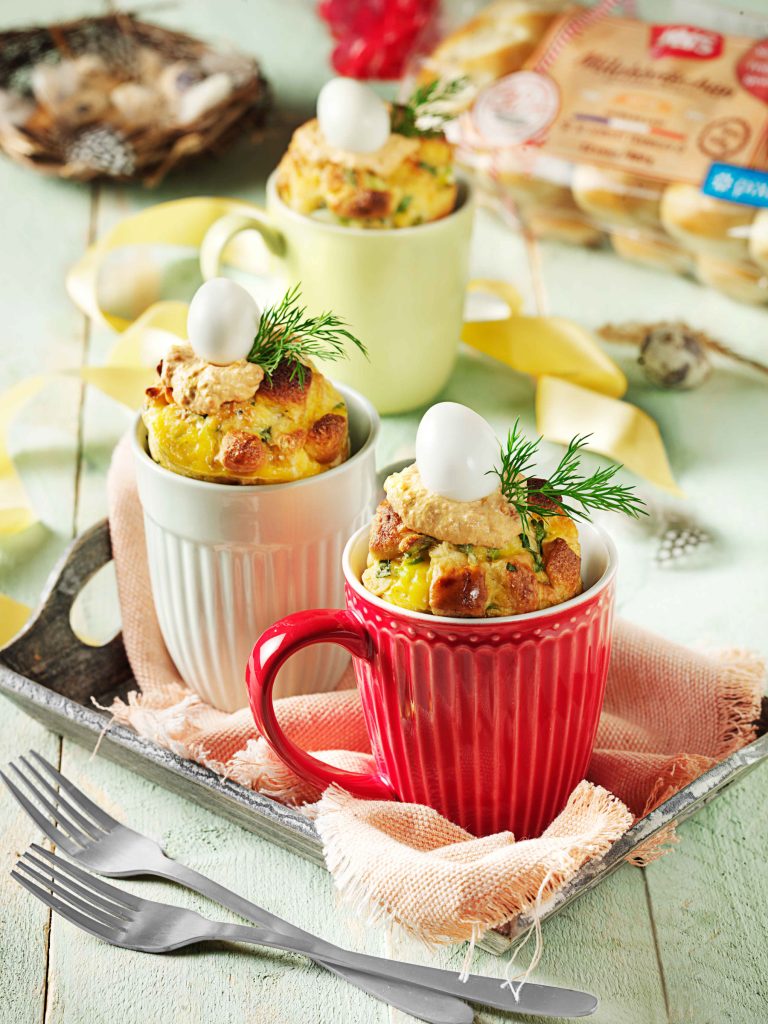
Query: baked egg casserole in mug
{"x": 241, "y": 402}
{"x": 468, "y": 532}
{"x": 473, "y": 559}
{"x": 365, "y": 164}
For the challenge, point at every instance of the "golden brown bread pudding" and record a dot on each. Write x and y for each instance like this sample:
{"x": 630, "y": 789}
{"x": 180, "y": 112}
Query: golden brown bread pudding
{"x": 468, "y": 559}
{"x": 408, "y": 181}
{"x": 241, "y": 402}
{"x": 234, "y": 424}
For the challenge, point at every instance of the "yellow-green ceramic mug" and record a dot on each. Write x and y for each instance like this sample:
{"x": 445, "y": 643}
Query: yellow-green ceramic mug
{"x": 401, "y": 290}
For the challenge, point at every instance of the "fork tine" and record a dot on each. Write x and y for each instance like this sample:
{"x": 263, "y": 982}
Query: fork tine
{"x": 79, "y": 837}
{"x": 57, "y": 887}
{"x": 67, "y": 912}
{"x": 118, "y": 896}
{"x": 89, "y": 827}
{"x": 114, "y": 909}
{"x": 39, "y": 819}
{"x": 96, "y": 812}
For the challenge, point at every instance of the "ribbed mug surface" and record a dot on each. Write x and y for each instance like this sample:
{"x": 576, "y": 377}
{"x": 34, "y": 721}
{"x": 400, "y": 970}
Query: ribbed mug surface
{"x": 489, "y": 721}
{"x": 213, "y": 599}
{"x": 491, "y": 727}
{"x": 225, "y": 561}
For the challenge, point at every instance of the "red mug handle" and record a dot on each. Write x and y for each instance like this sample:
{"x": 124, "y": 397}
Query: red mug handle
{"x": 271, "y": 650}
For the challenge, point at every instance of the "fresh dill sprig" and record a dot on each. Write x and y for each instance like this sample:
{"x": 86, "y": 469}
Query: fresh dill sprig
{"x": 564, "y": 486}
{"x": 428, "y": 109}
{"x": 287, "y": 334}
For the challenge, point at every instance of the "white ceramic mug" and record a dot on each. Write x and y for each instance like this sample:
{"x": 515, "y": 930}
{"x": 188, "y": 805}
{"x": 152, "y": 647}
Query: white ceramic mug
{"x": 401, "y": 290}
{"x": 226, "y": 561}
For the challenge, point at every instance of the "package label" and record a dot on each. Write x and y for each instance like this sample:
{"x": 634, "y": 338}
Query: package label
{"x": 685, "y": 41}
{"x": 661, "y": 101}
{"x": 736, "y": 184}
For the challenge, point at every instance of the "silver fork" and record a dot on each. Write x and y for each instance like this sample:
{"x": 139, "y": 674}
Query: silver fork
{"x": 100, "y": 842}
{"x": 123, "y": 919}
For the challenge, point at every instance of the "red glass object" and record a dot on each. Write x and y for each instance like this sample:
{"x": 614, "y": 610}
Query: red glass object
{"x": 375, "y": 38}
{"x": 491, "y": 721}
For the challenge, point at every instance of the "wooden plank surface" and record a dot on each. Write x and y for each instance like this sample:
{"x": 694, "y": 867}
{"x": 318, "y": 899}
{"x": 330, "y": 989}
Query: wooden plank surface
{"x": 680, "y": 942}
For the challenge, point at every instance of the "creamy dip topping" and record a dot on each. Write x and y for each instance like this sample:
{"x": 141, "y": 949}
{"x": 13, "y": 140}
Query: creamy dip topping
{"x": 489, "y": 522}
{"x": 308, "y": 140}
{"x": 204, "y": 387}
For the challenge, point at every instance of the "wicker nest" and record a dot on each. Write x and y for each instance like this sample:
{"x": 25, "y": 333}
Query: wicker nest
{"x": 118, "y": 98}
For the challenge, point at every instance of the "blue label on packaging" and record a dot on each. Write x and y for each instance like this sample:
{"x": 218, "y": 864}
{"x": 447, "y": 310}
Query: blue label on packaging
{"x": 736, "y": 184}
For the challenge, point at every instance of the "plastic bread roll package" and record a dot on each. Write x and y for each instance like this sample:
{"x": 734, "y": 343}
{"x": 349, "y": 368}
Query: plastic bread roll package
{"x": 600, "y": 127}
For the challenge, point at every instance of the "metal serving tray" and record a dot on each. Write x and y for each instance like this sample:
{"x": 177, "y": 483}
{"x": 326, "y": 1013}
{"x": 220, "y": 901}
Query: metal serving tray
{"x": 54, "y": 677}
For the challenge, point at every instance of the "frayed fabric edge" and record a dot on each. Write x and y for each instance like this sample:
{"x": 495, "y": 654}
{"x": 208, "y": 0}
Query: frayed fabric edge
{"x": 654, "y": 847}
{"x": 677, "y": 773}
{"x": 738, "y": 703}
{"x": 158, "y": 722}
{"x": 558, "y": 867}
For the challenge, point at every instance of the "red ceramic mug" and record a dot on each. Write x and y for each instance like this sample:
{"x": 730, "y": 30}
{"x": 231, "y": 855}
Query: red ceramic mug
{"x": 489, "y": 721}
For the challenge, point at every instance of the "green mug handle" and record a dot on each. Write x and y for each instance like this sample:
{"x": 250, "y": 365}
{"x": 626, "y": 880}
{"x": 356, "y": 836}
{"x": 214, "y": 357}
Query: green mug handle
{"x": 221, "y": 233}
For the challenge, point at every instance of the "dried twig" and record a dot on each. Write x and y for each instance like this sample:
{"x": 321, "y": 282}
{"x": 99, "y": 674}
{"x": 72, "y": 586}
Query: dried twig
{"x": 633, "y": 333}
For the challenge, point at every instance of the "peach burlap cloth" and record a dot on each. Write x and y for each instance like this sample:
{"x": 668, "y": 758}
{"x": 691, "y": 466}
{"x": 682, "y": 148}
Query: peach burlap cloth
{"x": 670, "y": 714}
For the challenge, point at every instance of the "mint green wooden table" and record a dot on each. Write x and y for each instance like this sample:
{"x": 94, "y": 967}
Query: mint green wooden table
{"x": 682, "y": 941}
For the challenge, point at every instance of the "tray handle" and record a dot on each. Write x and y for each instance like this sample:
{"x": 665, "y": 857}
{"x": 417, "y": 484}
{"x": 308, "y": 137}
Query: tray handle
{"x": 48, "y": 651}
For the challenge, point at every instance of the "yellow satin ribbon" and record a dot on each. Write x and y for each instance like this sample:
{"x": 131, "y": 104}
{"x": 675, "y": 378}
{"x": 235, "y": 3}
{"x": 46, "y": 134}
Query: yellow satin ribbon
{"x": 13, "y": 615}
{"x": 551, "y": 347}
{"x": 579, "y": 386}
{"x": 543, "y": 345}
{"x": 129, "y": 370}
{"x": 539, "y": 346}
{"x": 15, "y": 510}
{"x": 131, "y": 365}
{"x": 180, "y": 222}
{"x": 618, "y": 429}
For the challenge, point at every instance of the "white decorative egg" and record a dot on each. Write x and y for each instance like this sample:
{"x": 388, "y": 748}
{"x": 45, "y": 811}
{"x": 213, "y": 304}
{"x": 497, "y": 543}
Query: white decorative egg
{"x": 199, "y": 98}
{"x": 222, "y": 321}
{"x": 52, "y": 84}
{"x": 138, "y": 104}
{"x": 455, "y": 449}
{"x": 352, "y": 117}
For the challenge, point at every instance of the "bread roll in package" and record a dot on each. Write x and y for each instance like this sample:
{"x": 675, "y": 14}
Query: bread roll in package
{"x": 598, "y": 126}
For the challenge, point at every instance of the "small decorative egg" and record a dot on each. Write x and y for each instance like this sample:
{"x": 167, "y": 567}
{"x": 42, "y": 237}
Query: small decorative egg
{"x": 673, "y": 357}
{"x": 222, "y": 321}
{"x": 177, "y": 78}
{"x": 455, "y": 450}
{"x": 53, "y": 84}
{"x": 138, "y": 104}
{"x": 198, "y": 99}
{"x": 240, "y": 68}
{"x": 352, "y": 117}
